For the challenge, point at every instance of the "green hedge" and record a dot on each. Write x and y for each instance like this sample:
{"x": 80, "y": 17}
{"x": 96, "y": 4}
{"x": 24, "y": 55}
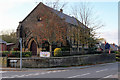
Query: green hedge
{"x": 4, "y": 53}
{"x": 117, "y": 55}
{"x": 16, "y": 54}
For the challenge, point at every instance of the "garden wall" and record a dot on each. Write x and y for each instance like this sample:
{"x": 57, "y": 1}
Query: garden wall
{"x": 64, "y": 61}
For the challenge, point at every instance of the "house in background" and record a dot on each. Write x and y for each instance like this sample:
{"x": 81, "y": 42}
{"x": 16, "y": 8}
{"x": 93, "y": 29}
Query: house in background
{"x": 101, "y": 47}
{"x": 114, "y": 47}
{"x": 4, "y": 46}
{"x": 10, "y": 46}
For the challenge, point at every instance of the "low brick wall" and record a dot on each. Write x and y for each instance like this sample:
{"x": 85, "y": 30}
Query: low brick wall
{"x": 64, "y": 61}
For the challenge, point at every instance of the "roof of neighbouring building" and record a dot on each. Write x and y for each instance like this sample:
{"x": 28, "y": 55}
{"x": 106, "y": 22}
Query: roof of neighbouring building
{"x": 114, "y": 47}
{"x": 8, "y": 44}
{"x": 2, "y": 41}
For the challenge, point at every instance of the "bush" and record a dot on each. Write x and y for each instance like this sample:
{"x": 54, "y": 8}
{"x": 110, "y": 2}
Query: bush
{"x": 27, "y": 54}
{"x": 117, "y": 52}
{"x": 65, "y": 51}
{"x": 4, "y": 53}
{"x": 17, "y": 54}
{"x": 57, "y": 52}
{"x": 14, "y": 54}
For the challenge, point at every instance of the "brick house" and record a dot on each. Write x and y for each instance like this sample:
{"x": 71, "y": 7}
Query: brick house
{"x": 3, "y": 46}
{"x": 45, "y": 27}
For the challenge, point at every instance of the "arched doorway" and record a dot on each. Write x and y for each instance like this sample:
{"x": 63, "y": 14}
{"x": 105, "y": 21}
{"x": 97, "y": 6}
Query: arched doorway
{"x": 33, "y": 48}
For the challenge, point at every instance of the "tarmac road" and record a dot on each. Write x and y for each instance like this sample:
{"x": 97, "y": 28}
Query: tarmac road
{"x": 100, "y": 71}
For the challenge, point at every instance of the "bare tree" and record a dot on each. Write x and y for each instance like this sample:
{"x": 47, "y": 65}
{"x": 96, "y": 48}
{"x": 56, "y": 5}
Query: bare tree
{"x": 9, "y": 36}
{"x": 55, "y": 4}
{"x": 102, "y": 40}
{"x": 87, "y": 26}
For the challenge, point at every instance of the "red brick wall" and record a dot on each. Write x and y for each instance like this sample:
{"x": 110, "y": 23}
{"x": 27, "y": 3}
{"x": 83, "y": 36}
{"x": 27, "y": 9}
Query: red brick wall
{"x": 3, "y": 47}
{"x": 32, "y": 27}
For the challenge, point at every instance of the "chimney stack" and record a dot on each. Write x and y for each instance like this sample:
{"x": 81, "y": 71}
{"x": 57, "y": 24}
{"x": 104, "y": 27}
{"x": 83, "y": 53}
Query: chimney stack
{"x": 61, "y": 10}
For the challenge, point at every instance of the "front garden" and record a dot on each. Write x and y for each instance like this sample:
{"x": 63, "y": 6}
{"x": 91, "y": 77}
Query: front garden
{"x": 15, "y": 54}
{"x": 58, "y": 52}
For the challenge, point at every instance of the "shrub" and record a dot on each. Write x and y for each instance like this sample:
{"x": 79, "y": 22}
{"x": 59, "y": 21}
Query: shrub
{"x": 14, "y": 54}
{"x": 57, "y": 52}
{"x": 117, "y": 52}
{"x": 17, "y": 54}
{"x": 27, "y": 55}
{"x": 4, "y": 53}
{"x": 65, "y": 51}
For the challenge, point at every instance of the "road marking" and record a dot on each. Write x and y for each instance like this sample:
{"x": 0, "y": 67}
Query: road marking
{"x": 36, "y": 74}
{"x": 42, "y": 73}
{"x": 15, "y": 76}
{"x": 101, "y": 70}
{"x": 49, "y": 72}
{"x": 108, "y": 76}
{"x": 3, "y": 71}
{"x": 111, "y": 63}
{"x": 32, "y": 74}
{"x": 59, "y": 71}
{"x": 8, "y": 77}
{"x": 29, "y": 74}
{"x": 5, "y": 77}
{"x": 79, "y": 75}
{"x": 54, "y": 71}
{"x": 22, "y": 75}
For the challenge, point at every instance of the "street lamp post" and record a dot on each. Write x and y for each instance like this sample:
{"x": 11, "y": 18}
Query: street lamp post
{"x": 20, "y": 53}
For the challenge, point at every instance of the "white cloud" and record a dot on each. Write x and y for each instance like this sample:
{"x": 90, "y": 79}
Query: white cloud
{"x": 7, "y": 20}
{"x": 110, "y": 36}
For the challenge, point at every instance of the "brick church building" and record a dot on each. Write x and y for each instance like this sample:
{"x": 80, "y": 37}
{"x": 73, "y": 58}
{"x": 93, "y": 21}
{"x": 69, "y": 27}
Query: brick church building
{"x": 45, "y": 29}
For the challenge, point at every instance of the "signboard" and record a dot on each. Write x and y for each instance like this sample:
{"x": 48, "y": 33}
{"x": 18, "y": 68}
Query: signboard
{"x": 44, "y": 54}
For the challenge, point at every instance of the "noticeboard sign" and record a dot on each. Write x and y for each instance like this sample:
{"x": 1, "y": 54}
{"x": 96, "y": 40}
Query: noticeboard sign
{"x": 44, "y": 54}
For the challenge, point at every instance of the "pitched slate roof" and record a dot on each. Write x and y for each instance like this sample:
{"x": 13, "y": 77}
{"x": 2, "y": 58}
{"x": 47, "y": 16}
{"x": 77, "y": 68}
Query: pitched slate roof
{"x": 2, "y": 41}
{"x": 114, "y": 47}
{"x": 67, "y": 18}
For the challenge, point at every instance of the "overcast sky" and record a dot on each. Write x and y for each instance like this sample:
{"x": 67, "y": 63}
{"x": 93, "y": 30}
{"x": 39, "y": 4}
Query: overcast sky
{"x": 14, "y": 11}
